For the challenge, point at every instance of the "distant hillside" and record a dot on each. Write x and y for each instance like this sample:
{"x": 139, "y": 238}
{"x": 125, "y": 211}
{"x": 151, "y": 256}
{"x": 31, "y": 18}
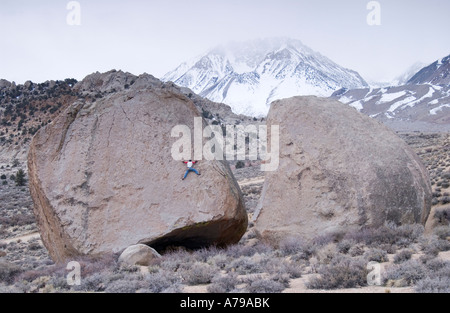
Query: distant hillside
{"x": 24, "y": 109}
{"x": 423, "y": 104}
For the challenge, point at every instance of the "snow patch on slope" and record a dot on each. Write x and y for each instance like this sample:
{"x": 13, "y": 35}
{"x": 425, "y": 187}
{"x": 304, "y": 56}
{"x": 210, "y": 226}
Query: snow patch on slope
{"x": 389, "y": 97}
{"x": 357, "y": 105}
{"x": 346, "y": 100}
{"x": 438, "y": 109}
{"x": 401, "y": 103}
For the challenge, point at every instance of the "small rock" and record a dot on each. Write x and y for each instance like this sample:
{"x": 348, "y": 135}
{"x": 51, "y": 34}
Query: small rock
{"x": 138, "y": 255}
{"x": 2, "y": 254}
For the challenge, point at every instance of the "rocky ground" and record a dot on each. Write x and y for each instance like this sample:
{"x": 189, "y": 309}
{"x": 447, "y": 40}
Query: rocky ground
{"x": 411, "y": 260}
{"x": 434, "y": 150}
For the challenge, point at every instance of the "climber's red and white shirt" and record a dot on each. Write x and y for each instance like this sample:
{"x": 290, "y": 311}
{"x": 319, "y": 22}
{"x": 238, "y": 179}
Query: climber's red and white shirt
{"x": 190, "y": 164}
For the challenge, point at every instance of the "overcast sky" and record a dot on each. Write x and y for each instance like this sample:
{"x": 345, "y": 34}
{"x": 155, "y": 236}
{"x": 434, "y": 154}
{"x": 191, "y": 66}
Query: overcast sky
{"x": 138, "y": 36}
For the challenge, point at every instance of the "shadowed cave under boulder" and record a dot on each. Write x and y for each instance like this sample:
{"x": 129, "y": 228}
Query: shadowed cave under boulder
{"x": 198, "y": 236}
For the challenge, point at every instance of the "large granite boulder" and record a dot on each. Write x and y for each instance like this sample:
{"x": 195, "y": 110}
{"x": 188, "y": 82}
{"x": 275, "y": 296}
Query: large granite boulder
{"x": 102, "y": 176}
{"x": 339, "y": 170}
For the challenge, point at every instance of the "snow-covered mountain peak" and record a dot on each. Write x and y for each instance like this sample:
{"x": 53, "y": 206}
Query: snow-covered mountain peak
{"x": 248, "y": 76}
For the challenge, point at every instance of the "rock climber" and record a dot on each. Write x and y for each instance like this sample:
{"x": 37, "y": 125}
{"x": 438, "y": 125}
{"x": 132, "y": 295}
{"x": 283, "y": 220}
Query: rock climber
{"x": 190, "y": 166}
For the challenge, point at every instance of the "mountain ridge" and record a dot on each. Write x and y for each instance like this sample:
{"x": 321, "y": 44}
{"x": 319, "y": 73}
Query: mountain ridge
{"x": 437, "y": 73}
